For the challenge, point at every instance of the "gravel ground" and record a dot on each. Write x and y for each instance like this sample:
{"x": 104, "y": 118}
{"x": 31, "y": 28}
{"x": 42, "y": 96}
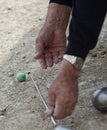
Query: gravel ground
{"x": 20, "y": 106}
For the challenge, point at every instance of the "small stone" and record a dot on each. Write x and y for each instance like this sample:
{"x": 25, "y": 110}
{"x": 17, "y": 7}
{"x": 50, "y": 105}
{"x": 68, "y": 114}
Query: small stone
{"x": 17, "y": 53}
{"x": 94, "y": 54}
{"x": 27, "y": 62}
{"x": 11, "y": 49}
{"x": 23, "y": 57}
{"x": 9, "y": 32}
{"x": 3, "y": 112}
{"x": 40, "y": 18}
{"x": 33, "y": 110}
{"x": 103, "y": 52}
{"x": 23, "y": 43}
{"x": 11, "y": 74}
{"x": 9, "y": 8}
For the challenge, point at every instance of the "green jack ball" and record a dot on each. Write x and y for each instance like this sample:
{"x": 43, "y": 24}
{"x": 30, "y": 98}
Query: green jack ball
{"x": 21, "y": 77}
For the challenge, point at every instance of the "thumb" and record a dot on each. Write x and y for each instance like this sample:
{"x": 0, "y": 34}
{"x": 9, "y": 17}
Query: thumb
{"x": 49, "y": 111}
{"x": 39, "y": 47}
{"x": 51, "y": 104}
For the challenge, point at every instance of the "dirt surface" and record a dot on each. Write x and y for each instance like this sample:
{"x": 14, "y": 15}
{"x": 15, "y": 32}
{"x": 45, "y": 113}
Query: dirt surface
{"x": 20, "y": 106}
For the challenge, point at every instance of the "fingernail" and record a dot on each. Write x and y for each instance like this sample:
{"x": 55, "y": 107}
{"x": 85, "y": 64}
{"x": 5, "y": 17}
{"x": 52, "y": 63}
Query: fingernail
{"x": 49, "y": 112}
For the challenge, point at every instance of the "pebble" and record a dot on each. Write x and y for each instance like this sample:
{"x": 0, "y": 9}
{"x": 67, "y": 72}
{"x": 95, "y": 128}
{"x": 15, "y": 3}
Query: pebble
{"x": 23, "y": 57}
{"x": 11, "y": 74}
{"x": 3, "y": 112}
{"x": 27, "y": 62}
{"x": 94, "y": 54}
{"x": 17, "y": 53}
{"x": 104, "y": 52}
{"x": 9, "y": 8}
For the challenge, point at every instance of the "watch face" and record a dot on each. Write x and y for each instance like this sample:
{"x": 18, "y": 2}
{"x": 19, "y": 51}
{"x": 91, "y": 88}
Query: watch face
{"x": 73, "y": 59}
{"x": 76, "y": 61}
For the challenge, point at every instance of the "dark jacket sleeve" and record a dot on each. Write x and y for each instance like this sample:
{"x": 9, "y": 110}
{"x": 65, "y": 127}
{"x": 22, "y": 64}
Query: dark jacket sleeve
{"x": 63, "y": 2}
{"x": 85, "y": 26}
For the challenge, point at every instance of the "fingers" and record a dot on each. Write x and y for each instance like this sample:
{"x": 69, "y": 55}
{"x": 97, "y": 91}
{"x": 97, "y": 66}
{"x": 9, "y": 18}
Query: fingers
{"x": 46, "y": 60}
{"x": 42, "y": 62}
{"x": 64, "y": 106}
{"x": 39, "y": 47}
{"x": 57, "y": 57}
{"x": 49, "y": 59}
{"x": 60, "y": 106}
{"x": 61, "y": 111}
{"x": 51, "y": 103}
{"x": 57, "y": 108}
{"x": 61, "y": 53}
{"x": 49, "y": 111}
{"x": 53, "y": 58}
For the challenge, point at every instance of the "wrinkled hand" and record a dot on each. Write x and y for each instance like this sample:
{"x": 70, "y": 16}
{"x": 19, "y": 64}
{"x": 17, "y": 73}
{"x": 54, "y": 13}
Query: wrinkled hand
{"x": 63, "y": 92}
{"x": 50, "y": 46}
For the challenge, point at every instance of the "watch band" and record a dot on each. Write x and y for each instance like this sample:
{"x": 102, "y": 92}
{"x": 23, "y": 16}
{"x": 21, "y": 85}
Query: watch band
{"x": 74, "y": 60}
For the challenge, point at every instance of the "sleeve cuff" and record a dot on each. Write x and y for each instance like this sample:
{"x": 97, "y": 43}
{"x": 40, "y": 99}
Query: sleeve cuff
{"x": 63, "y": 2}
{"x": 76, "y": 50}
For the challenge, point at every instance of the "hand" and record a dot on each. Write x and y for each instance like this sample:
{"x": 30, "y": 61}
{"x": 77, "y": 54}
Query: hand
{"x": 63, "y": 92}
{"x": 51, "y": 42}
{"x": 50, "y": 46}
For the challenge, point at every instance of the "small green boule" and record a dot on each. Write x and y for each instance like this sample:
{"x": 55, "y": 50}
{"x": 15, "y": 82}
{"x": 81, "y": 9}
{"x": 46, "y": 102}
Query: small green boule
{"x": 21, "y": 77}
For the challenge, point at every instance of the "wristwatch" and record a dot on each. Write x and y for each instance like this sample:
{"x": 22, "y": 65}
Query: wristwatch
{"x": 74, "y": 60}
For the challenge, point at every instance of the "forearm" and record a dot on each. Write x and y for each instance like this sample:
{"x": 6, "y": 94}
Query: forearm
{"x": 58, "y": 16}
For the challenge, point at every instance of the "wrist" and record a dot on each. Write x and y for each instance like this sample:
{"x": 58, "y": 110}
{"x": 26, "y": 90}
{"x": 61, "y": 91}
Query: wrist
{"x": 67, "y": 67}
{"x": 58, "y": 16}
{"x": 74, "y": 60}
